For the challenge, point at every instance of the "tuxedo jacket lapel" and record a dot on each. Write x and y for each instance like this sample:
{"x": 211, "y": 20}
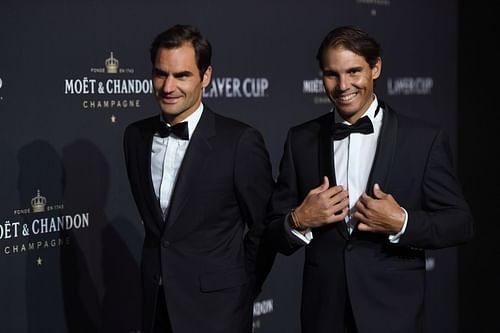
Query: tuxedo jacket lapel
{"x": 385, "y": 151}
{"x": 326, "y": 161}
{"x": 191, "y": 171}
{"x": 145, "y": 173}
{"x": 326, "y": 165}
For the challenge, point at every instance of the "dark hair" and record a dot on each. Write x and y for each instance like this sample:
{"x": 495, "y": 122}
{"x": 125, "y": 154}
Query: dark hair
{"x": 352, "y": 39}
{"x": 180, "y": 34}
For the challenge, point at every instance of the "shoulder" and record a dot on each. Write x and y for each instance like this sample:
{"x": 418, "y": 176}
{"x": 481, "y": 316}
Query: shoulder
{"x": 413, "y": 130}
{"x": 228, "y": 125}
{"x": 143, "y": 124}
{"x": 223, "y": 120}
{"x": 409, "y": 123}
{"x": 312, "y": 126}
{"x": 140, "y": 128}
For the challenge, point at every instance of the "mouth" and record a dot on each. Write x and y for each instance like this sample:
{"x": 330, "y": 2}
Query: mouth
{"x": 346, "y": 98}
{"x": 170, "y": 99}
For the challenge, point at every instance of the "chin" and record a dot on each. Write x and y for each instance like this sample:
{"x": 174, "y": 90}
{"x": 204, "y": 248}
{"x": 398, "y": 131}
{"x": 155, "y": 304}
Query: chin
{"x": 170, "y": 113}
{"x": 344, "y": 109}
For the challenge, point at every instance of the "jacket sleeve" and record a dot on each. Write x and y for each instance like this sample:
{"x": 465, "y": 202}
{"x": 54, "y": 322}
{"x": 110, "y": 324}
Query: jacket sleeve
{"x": 254, "y": 184}
{"x": 285, "y": 197}
{"x": 445, "y": 218}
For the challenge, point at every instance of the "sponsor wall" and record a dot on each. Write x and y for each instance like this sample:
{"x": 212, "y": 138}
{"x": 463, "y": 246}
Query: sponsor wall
{"x": 74, "y": 74}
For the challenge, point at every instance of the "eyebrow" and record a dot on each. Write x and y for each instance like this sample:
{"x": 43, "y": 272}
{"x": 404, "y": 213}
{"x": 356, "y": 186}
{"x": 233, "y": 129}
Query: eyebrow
{"x": 355, "y": 69}
{"x": 329, "y": 72}
{"x": 157, "y": 71}
{"x": 183, "y": 73}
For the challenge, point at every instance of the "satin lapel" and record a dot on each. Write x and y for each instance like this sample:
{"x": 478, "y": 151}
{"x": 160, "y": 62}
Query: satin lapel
{"x": 326, "y": 162}
{"x": 384, "y": 155}
{"x": 190, "y": 173}
{"x": 148, "y": 190}
{"x": 326, "y": 165}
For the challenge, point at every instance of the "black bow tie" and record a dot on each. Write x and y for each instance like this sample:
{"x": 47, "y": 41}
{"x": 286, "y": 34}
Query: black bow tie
{"x": 341, "y": 130}
{"x": 180, "y": 130}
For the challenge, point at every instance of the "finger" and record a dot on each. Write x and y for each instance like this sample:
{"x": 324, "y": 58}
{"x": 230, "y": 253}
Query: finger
{"x": 340, "y": 206}
{"x": 364, "y": 227}
{"x": 335, "y": 190}
{"x": 334, "y": 205}
{"x": 338, "y": 211}
{"x": 337, "y": 207}
{"x": 364, "y": 199}
{"x": 338, "y": 216}
{"x": 361, "y": 217}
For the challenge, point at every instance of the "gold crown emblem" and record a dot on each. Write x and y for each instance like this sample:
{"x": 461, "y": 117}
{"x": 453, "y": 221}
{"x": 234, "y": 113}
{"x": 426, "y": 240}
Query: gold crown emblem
{"x": 111, "y": 64}
{"x": 38, "y": 203}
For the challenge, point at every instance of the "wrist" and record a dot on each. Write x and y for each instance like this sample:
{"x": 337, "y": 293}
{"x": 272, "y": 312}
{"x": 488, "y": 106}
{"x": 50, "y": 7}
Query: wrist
{"x": 295, "y": 222}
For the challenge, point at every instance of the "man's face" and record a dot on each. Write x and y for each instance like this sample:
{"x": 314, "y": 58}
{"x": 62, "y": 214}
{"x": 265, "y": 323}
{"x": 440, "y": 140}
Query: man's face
{"x": 349, "y": 82}
{"x": 177, "y": 83}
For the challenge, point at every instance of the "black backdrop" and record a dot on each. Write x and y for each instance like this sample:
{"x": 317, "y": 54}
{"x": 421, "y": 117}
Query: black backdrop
{"x": 479, "y": 165}
{"x": 74, "y": 267}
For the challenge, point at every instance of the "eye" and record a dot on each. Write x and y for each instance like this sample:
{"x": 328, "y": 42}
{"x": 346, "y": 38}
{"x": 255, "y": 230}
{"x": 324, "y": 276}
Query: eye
{"x": 330, "y": 74}
{"x": 159, "y": 74}
{"x": 183, "y": 75}
{"x": 354, "y": 71}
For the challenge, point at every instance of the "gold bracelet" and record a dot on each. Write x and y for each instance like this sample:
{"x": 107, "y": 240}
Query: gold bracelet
{"x": 294, "y": 221}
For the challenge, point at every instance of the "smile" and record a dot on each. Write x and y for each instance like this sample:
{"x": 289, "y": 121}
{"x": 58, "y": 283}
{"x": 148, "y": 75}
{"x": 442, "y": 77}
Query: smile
{"x": 346, "y": 98}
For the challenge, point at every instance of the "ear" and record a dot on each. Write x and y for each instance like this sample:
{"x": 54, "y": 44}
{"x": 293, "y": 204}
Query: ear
{"x": 377, "y": 69}
{"x": 207, "y": 76}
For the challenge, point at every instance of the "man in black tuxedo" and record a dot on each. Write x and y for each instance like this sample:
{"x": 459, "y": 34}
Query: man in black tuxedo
{"x": 366, "y": 190}
{"x": 201, "y": 183}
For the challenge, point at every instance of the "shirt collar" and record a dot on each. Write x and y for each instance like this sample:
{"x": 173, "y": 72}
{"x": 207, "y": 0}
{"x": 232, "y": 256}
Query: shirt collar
{"x": 370, "y": 113}
{"x": 192, "y": 120}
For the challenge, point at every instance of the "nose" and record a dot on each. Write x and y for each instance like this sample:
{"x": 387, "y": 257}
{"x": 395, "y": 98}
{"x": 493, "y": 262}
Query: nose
{"x": 343, "y": 83}
{"x": 168, "y": 84}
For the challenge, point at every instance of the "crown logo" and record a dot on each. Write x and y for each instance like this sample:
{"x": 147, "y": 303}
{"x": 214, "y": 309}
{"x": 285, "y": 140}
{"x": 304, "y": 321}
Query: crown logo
{"x": 38, "y": 203}
{"x": 111, "y": 64}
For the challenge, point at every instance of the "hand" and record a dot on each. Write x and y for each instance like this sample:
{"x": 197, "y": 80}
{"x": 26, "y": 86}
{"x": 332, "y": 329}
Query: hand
{"x": 323, "y": 205}
{"x": 380, "y": 214}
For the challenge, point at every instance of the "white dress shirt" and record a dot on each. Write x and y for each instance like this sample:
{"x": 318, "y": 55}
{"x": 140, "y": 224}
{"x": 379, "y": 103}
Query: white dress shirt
{"x": 353, "y": 160}
{"x": 166, "y": 158}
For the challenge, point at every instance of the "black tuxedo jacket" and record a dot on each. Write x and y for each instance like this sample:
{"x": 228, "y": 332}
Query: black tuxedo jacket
{"x": 205, "y": 251}
{"x": 384, "y": 282}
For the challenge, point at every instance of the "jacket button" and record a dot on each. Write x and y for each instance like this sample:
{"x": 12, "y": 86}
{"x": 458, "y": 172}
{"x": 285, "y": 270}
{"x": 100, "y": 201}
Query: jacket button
{"x": 348, "y": 247}
{"x": 165, "y": 244}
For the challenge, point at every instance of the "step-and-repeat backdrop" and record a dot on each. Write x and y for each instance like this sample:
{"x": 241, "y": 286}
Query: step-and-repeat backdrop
{"x": 73, "y": 74}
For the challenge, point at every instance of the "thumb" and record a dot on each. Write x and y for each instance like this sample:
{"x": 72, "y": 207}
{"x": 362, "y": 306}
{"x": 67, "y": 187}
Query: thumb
{"x": 323, "y": 187}
{"x": 326, "y": 184}
{"x": 377, "y": 191}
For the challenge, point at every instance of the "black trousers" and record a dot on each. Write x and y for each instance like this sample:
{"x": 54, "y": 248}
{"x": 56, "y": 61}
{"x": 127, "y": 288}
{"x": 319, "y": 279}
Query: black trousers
{"x": 161, "y": 322}
{"x": 350, "y": 325}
